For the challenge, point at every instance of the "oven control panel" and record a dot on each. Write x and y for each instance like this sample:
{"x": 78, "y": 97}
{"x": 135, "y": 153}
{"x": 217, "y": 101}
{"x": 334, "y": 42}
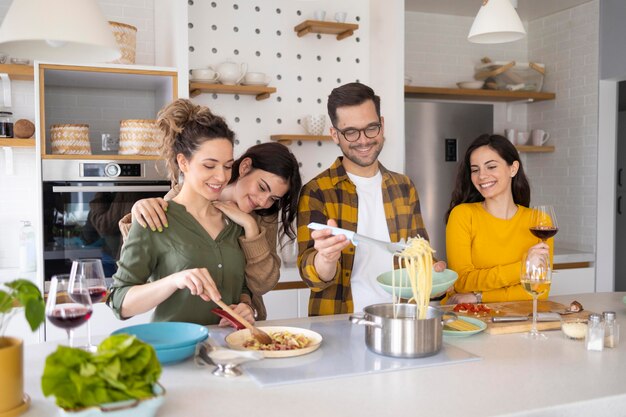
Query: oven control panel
{"x": 111, "y": 170}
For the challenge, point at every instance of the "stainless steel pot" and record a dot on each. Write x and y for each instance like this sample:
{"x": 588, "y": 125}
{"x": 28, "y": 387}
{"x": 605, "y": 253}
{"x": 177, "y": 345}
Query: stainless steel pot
{"x": 403, "y": 336}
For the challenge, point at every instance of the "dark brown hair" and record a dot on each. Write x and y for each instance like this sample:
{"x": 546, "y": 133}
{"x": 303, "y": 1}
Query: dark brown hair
{"x": 464, "y": 190}
{"x": 186, "y": 126}
{"x": 351, "y": 94}
{"x": 277, "y": 159}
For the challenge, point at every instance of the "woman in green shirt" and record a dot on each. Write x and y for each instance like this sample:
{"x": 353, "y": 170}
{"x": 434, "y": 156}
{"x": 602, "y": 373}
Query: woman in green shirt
{"x": 197, "y": 258}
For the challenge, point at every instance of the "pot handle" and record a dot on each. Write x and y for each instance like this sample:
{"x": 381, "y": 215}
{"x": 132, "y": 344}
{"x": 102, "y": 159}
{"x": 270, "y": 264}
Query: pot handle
{"x": 453, "y": 317}
{"x": 361, "y": 320}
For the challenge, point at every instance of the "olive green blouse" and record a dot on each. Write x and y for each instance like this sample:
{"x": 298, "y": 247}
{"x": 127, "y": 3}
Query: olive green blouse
{"x": 185, "y": 244}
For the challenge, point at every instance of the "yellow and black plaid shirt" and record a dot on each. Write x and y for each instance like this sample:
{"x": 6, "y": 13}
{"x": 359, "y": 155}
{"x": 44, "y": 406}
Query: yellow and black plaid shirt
{"x": 331, "y": 195}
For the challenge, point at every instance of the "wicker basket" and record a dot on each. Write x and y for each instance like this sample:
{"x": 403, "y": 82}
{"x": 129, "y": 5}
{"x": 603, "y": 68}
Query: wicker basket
{"x": 70, "y": 139}
{"x": 138, "y": 137}
{"x": 126, "y": 39}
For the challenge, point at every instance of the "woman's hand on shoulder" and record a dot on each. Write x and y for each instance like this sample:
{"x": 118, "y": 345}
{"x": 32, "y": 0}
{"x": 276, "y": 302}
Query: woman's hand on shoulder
{"x": 244, "y": 310}
{"x": 151, "y": 212}
{"x": 233, "y": 212}
{"x": 198, "y": 281}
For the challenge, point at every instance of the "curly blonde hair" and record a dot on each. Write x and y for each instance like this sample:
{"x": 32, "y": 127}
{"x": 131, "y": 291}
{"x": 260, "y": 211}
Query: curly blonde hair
{"x": 185, "y": 126}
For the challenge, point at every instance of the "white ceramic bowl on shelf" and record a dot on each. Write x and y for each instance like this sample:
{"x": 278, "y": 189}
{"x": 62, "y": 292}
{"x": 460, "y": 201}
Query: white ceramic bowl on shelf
{"x": 471, "y": 85}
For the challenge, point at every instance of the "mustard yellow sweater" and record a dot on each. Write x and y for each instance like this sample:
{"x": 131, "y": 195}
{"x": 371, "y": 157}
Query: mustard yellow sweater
{"x": 486, "y": 251}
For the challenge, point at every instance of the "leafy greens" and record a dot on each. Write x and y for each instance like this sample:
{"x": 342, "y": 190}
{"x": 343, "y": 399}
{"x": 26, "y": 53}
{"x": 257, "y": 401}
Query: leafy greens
{"x": 123, "y": 368}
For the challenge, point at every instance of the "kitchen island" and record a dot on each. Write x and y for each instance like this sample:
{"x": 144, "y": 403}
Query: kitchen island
{"x": 556, "y": 377}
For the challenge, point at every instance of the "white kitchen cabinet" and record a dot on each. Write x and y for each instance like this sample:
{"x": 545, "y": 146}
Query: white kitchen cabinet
{"x": 103, "y": 322}
{"x": 573, "y": 281}
{"x": 285, "y": 304}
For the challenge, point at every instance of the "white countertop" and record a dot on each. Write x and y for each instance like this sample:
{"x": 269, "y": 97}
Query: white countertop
{"x": 557, "y": 377}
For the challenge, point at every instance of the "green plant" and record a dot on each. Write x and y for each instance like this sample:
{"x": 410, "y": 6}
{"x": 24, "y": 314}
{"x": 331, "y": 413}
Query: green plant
{"x": 21, "y": 293}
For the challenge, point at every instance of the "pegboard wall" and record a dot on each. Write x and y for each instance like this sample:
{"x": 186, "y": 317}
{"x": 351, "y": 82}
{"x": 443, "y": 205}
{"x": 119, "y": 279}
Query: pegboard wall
{"x": 303, "y": 70}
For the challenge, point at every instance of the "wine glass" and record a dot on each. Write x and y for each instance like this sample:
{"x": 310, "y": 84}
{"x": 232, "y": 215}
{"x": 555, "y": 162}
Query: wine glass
{"x": 91, "y": 271}
{"x": 543, "y": 222}
{"x": 65, "y": 311}
{"x": 536, "y": 276}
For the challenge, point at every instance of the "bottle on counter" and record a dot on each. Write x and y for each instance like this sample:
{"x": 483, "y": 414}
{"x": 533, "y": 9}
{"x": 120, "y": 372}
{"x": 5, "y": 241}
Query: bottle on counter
{"x": 611, "y": 329}
{"x": 595, "y": 333}
{"x": 28, "y": 261}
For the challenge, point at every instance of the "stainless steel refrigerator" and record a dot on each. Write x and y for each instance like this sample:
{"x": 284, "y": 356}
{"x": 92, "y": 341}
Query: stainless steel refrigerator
{"x": 437, "y": 136}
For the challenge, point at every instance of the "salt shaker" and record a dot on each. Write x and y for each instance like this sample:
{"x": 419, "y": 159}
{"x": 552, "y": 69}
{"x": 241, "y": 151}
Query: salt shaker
{"x": 595, "y": 333}
{"x": 611, "y": 329}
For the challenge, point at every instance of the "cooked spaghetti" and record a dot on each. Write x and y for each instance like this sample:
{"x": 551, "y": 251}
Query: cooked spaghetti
{"x": 280, "y": 341}
{"x": 417, "y": 260}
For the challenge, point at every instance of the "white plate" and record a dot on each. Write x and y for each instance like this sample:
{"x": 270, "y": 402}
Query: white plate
{"x": 236, "y": 340}
{"x": 195, "y": 80}
{"x": 257, "y": 84}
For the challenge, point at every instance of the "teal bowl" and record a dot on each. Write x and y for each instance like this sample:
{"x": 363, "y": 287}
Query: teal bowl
{"x": 441, "y": 282}
{"x": 175, "y": 355}
{"x": 167, "y": 334}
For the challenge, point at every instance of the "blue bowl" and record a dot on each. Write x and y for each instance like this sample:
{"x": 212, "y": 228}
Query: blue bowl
{"x": 167, "y": 335}
{"x": 174, "y": 355}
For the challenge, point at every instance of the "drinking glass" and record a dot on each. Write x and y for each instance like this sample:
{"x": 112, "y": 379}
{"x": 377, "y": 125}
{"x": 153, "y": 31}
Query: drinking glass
{"x": 65, "y": 311}
{"x": 91, "y": 271}
{"x": 536, "y": 276}
{"x": 543, "y": 222}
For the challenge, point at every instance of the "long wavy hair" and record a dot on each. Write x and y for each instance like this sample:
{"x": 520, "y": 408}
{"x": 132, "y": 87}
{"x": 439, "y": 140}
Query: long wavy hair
{"x": 275, "y": 158}
{"x": 185, "y": 126}
{"x": 464, "y": 190}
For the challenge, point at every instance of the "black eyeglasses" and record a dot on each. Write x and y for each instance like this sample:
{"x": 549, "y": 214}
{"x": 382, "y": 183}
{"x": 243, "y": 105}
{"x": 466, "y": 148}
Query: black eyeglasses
{"x": 352, "y": 135}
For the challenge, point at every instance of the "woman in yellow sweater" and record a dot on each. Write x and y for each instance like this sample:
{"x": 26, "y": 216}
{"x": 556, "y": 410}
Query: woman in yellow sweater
{"x": 488, "y": 224}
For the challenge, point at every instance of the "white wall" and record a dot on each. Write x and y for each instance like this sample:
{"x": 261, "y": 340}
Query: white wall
{"x": 568, "y": 42}
{"x": 17, "y": 201}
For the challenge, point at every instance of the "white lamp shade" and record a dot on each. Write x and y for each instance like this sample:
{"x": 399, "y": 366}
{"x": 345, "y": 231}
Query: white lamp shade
{"x": 496, "y": 22}
{"x": 58, "y": 30}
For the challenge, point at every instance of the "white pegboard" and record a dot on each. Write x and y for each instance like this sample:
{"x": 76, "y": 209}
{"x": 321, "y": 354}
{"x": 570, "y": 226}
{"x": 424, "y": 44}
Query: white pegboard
{"x": 303, "y": 70}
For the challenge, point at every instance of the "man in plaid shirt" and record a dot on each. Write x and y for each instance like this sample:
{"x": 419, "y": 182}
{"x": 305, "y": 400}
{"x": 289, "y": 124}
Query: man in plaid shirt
{"x": 356, "y": 193}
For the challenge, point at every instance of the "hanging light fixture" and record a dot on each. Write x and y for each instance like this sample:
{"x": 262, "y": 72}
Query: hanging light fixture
{"x": 496, "y": 22}
{"x": 58, "y": 30}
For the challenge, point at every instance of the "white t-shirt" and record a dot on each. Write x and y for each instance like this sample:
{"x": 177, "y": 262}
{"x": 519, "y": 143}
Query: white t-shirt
{"x": 369, "y": 260}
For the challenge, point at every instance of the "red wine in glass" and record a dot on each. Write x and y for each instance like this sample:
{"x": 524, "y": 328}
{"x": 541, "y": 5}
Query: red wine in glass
{"x": 69, "y": 316}
{"x": 544, "y": 233}
{"x": 97, "y": 293}
{"x": 93, "y": 274}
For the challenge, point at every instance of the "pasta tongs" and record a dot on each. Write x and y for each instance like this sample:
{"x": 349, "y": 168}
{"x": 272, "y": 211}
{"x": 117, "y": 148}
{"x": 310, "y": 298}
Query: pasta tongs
{"x": 356, "y": 238}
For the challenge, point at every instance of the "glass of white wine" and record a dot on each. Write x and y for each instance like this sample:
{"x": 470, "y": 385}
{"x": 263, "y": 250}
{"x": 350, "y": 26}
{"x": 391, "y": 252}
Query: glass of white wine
{"x": 536, "y": 276}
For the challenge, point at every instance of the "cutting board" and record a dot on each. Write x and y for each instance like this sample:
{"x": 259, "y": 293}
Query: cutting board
{"x": 521, "y": 308}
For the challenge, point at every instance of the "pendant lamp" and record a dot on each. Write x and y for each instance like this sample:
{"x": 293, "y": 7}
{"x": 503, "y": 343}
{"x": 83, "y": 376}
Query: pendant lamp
{"x": 58, "y": 30}
{"x": 496, "y": 22}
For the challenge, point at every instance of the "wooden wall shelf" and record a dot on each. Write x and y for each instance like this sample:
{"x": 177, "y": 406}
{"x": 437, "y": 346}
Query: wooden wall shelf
{"x": 287, "y": 139}
{"x": 18, "y": 72}
{"x": 105, "y": 157}
{"x": 342, "y": 30}
{"x": 535, "y": 149}
{"x": 261, "y": 92}
{"x": 475, "y": 95}
{"x": 18, "y": 143}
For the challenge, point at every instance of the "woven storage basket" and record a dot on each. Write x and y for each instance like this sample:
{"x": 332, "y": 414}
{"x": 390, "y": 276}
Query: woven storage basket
{"x": 70, "y": 139}
{"x": 126, "y": 39}
{"x": 138, "y": 137}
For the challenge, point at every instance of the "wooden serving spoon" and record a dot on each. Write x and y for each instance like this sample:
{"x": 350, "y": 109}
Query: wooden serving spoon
{"x": 258, "y": 334}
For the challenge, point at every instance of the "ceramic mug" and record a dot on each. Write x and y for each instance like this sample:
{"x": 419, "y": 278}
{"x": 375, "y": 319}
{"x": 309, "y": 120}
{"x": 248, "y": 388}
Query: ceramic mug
{"x": 340, "y": 17}
{"x": 522, "y": 138}
{"x": 511, "y": 135}
{"x": 539, "y": 137}
{"x": 319, "y": 15}
{"x": 315, "y": 124}
{"x": 256, "y": 78}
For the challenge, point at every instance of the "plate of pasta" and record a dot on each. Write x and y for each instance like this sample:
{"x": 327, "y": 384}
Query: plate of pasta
{"x": 463, "y": 327}
{"x": 286, "y": 341}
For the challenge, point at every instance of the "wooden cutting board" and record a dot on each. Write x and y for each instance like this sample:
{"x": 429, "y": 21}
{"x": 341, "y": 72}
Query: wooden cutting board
{"x": 520, "y": 308}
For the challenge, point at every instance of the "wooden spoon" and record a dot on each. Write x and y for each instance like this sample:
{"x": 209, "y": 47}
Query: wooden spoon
{"x": 258, "y": 334}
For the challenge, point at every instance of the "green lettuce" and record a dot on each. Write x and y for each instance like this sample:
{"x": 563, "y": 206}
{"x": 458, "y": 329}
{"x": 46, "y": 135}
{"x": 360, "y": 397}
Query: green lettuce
{"x": 123, "y": 368}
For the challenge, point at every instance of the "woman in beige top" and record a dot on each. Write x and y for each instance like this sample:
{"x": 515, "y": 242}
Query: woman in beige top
{"x": 255, "y": 198}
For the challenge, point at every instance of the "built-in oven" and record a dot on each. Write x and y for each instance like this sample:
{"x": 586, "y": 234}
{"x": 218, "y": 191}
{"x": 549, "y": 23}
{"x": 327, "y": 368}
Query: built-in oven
{"x": 83, "y": 201}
